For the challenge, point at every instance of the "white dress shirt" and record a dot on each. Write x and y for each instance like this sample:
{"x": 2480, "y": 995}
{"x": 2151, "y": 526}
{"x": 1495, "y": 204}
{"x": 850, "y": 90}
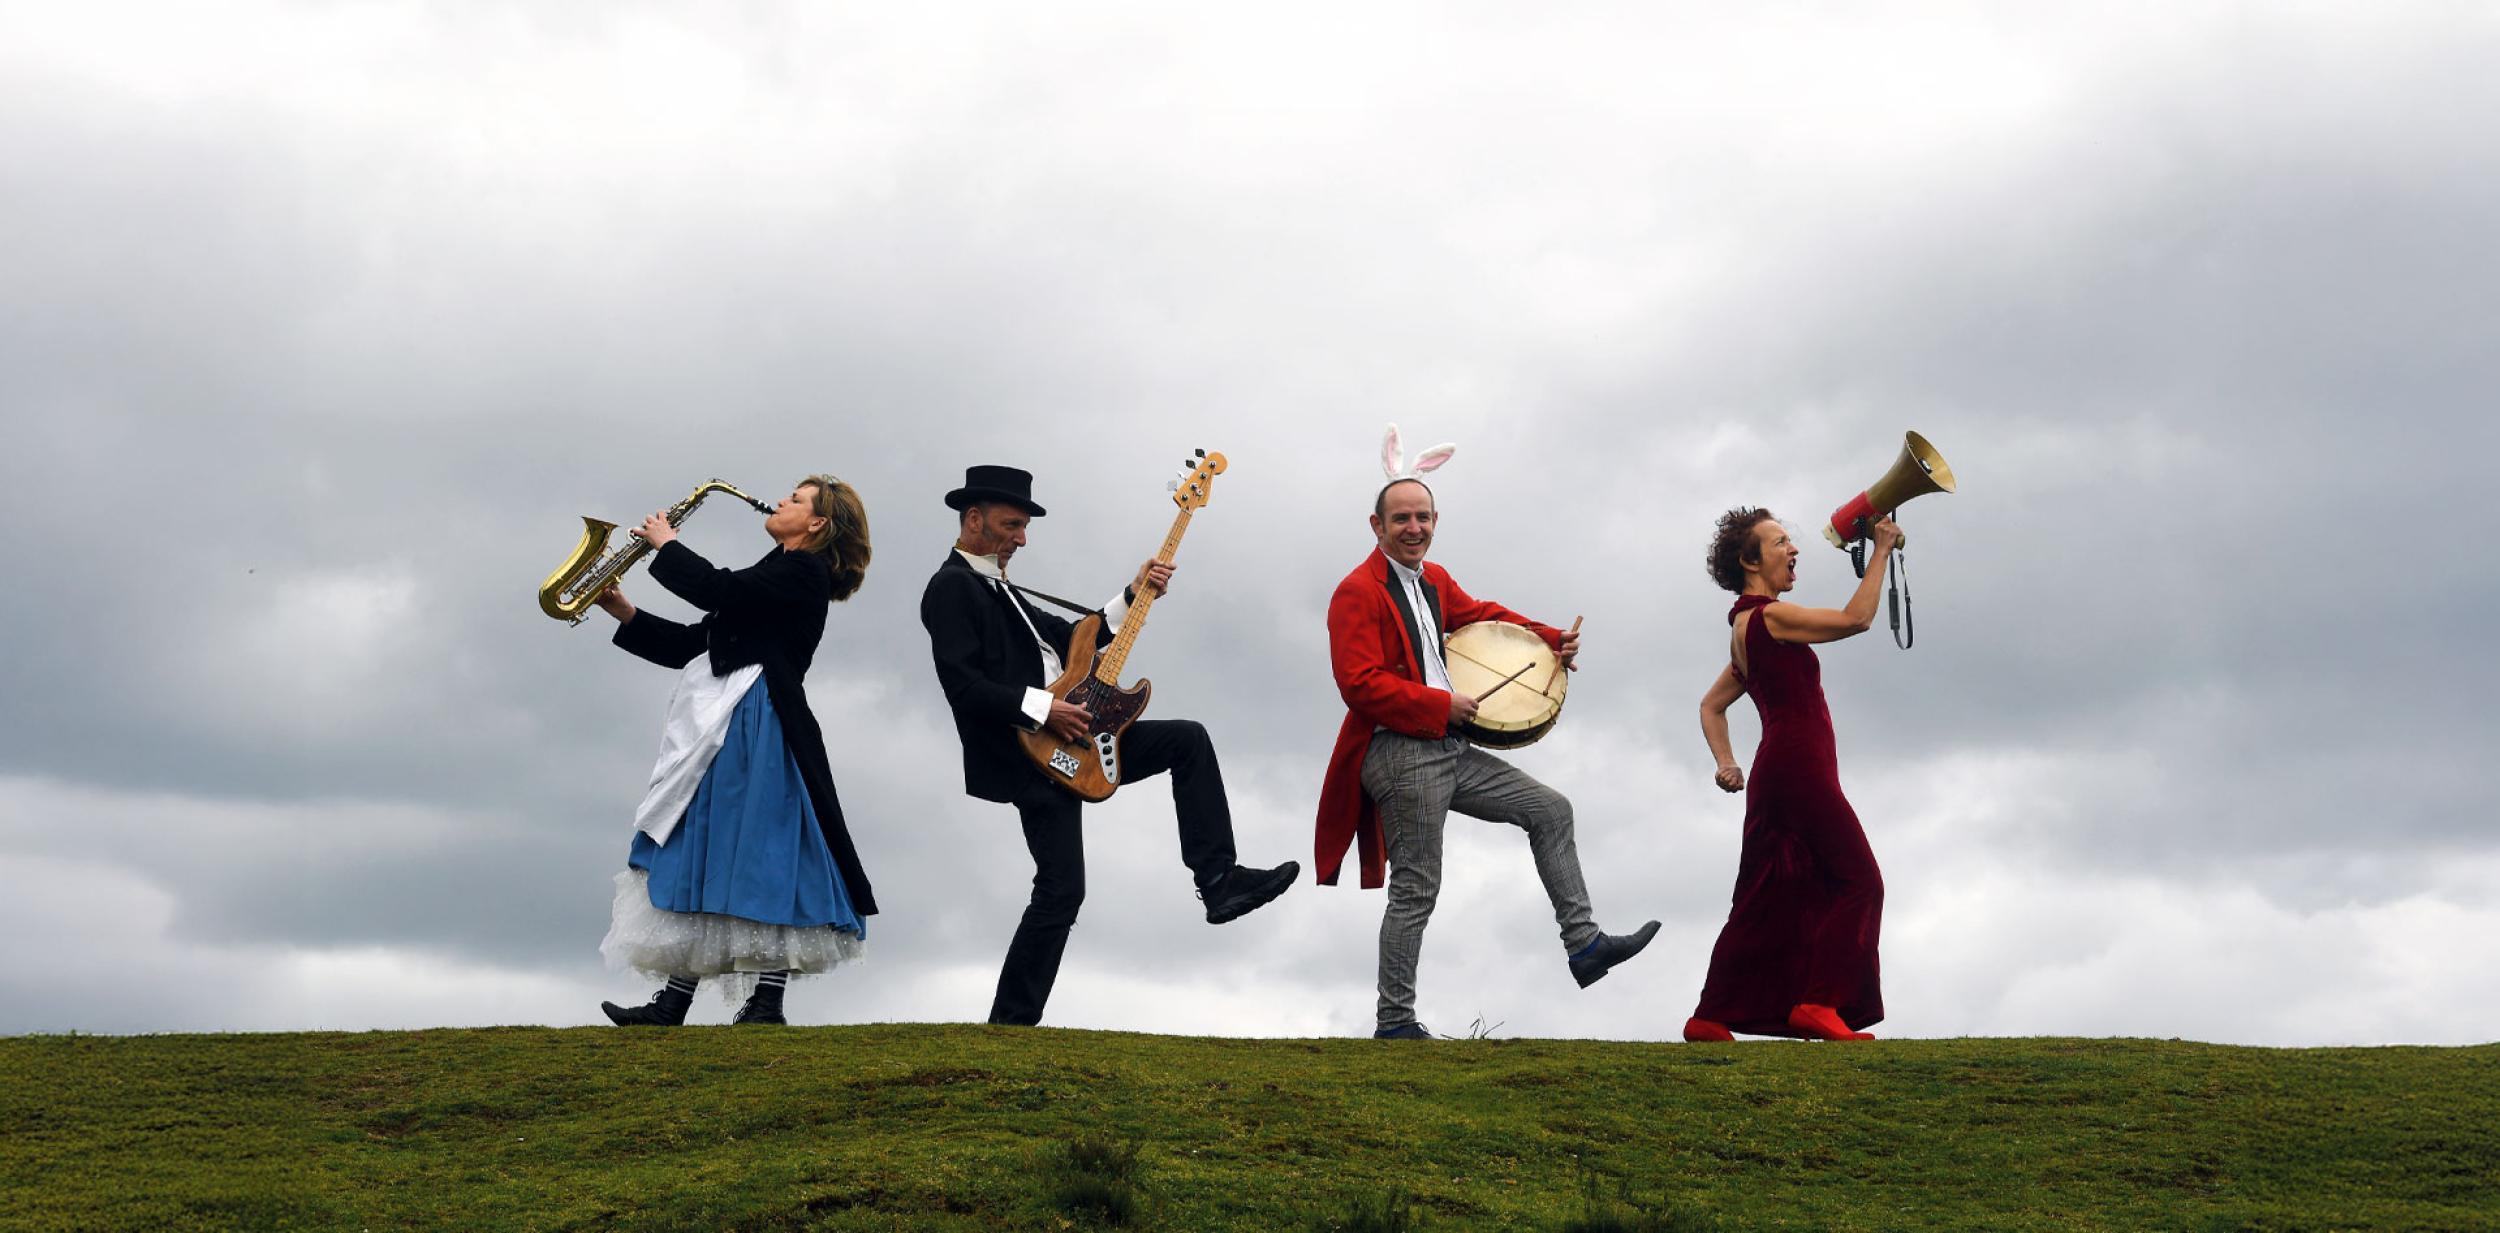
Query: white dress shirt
{"x": 1036, "y": 706}
{"x": 1427, "y": 638}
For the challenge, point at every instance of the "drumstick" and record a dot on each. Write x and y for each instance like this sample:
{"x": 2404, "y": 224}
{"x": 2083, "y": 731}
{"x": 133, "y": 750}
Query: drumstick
{"x": 1497, "y": 688}
{"x": 1549, "y": 677}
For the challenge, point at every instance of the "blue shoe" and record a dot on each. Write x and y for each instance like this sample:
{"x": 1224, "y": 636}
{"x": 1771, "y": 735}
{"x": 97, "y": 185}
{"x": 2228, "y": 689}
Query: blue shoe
{"x": 1406, "y": 1031}
{"x": 1606, "y": 950}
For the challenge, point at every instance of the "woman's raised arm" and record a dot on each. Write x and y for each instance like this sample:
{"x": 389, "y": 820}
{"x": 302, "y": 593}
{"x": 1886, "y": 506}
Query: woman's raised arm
{"x": 1796, "y": 623}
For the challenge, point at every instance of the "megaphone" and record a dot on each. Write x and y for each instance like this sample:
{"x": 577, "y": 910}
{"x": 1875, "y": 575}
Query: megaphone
{"x": 1918, "y": 471}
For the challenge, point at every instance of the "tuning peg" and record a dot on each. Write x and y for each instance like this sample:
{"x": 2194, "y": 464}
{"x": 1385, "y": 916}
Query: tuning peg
{"x": 1202, "y": 453}
{"x": 1171, "y": 485}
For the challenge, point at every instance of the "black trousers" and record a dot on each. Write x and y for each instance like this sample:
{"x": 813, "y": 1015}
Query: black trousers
{"x": 1054, "y": 831}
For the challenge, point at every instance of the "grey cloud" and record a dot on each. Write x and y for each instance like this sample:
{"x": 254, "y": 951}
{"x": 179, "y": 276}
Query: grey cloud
{"x": 2203, "y": 334}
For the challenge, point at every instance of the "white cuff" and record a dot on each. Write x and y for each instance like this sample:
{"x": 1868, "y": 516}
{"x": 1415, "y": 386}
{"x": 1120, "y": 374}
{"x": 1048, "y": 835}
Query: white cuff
{"x": 1116, "y": 611}
{"x": 1036, "y": 706}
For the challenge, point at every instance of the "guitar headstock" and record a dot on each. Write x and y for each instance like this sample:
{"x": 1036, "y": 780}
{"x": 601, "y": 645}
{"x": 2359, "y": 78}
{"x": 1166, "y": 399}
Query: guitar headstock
{"x": 1196, "y": 486}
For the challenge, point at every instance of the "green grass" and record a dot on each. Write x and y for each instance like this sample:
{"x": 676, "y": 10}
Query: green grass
{"x": 961, "y": 1127}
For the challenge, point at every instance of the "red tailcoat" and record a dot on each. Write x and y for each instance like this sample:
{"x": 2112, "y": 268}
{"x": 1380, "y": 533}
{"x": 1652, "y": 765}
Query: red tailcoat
{"x": 1372, "y": 650}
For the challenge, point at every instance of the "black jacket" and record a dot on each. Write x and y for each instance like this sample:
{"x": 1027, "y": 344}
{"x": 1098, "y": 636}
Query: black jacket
{"x": 770, "y": 613}
{"x": 985, "y": 661}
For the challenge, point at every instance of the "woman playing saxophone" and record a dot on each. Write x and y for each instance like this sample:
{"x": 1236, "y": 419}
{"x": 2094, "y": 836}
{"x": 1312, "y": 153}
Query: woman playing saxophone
{"x": 741, "y": 868}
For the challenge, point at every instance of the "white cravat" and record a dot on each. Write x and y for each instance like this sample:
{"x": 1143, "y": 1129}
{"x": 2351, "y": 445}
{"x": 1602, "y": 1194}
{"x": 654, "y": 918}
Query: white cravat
{"x": 1427, "y": 638}
{"x": 1037, "y": 701}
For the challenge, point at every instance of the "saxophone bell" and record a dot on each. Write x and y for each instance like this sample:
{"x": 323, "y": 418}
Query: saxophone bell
{"x": 568, "y": 593}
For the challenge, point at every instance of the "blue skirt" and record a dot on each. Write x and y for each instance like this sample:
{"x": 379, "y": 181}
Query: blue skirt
{"x": 749, "y": 845}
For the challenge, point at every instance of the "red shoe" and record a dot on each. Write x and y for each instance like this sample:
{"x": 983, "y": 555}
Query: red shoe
{"x": 1822, "y": 1023}
{"x": 1704, "y": 1032}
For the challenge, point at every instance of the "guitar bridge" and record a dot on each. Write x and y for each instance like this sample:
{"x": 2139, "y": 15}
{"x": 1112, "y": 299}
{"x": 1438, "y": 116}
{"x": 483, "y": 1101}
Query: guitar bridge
{"x": 1065, "y": 763}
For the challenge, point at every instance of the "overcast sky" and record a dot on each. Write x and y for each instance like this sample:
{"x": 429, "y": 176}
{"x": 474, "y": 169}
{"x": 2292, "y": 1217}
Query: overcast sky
{"x": 321, "y": 325}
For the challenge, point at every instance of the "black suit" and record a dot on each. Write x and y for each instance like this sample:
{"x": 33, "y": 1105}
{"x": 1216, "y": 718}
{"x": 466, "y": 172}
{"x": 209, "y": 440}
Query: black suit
{"x": 770, "y": 613}
{"x": 986, "y": 660}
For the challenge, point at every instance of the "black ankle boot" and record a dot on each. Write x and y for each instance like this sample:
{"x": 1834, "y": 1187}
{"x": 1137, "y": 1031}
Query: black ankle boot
{"x": 667, "y": 1008}
{"x": 763, "y": 1006}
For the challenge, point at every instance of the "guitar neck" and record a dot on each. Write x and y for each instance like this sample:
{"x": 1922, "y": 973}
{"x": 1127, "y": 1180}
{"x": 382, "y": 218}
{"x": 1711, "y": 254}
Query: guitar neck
{"x": 1114, "y": 657}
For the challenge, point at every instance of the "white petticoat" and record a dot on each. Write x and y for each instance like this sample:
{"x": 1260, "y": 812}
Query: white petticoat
{"x": 729, "y": 952}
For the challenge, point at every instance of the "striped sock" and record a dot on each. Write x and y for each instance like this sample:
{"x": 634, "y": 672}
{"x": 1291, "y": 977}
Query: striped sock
{"x": 768, "y": 989}
{"x": 681, "y": 984}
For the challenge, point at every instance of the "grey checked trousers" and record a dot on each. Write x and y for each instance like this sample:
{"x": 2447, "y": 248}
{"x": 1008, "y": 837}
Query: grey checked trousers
{"x": 1415, "y": 784}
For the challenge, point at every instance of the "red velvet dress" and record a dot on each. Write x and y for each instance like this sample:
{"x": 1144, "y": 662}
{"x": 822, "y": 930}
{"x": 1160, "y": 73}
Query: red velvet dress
{"x": 1809, "y": 900}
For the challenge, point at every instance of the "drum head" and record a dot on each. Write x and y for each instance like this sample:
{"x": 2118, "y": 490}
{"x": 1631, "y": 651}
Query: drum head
{"x": 1480, "y": 655}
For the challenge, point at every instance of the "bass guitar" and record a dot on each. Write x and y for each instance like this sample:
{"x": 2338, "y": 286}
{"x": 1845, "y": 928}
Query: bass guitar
{"x": 1090, "y": 766}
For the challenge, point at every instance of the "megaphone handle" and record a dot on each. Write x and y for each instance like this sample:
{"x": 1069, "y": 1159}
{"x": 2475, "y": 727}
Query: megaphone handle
{"x": 1857, "y": 550}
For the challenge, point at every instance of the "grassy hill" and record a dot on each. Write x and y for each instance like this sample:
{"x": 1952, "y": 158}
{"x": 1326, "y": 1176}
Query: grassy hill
{"x": 961, "y": 1127}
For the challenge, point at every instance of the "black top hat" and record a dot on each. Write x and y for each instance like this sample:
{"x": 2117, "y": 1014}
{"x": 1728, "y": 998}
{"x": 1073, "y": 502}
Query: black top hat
{"x": 995, "y": 484}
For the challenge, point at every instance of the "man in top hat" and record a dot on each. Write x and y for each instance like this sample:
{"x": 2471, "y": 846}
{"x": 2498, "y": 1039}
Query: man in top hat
{"x": 995, "y": 652}
{"x": 1400, "y": 767}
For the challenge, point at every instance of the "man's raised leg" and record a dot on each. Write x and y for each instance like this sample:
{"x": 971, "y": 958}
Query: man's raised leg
{"x": 1205, "y": 817}
{"x": 1151, "y": 747}
{"x": 1496, "y": 791}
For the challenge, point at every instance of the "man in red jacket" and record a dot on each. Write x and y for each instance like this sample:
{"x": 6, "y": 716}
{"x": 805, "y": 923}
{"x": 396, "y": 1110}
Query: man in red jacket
{"x": 1399, "y": 769}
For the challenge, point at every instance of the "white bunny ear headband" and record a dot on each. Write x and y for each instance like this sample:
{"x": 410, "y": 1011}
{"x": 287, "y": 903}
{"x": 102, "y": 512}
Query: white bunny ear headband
{"x": 1393, "y": 459}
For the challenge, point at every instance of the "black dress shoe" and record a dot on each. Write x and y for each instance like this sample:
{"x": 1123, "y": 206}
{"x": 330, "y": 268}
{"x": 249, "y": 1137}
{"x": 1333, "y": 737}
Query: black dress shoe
{"x": 667, "y": 1008}
{"x": 1405, "y": 1031}
{"x": 1591, "y": 964}
{"x": 1246, "y": 890}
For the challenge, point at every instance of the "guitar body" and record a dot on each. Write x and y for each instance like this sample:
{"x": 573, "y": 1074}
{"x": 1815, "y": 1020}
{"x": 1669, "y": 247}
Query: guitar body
{"x": 1092, "y": 767}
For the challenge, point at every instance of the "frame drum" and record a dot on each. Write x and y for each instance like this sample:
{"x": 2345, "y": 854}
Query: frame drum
{"x": 1520, "y": 713}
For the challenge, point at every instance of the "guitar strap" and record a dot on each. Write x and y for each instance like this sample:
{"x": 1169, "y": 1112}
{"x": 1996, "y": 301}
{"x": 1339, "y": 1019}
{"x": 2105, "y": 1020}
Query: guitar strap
{"x": 1048, "y": 598}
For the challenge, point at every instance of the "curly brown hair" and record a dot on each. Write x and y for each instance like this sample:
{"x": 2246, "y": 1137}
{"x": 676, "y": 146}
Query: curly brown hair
{"x": 1733, "y": 546}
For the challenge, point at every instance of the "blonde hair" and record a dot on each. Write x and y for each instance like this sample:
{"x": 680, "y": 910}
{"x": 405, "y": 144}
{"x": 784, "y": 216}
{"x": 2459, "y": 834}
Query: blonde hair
{"x": 844, "y": 537}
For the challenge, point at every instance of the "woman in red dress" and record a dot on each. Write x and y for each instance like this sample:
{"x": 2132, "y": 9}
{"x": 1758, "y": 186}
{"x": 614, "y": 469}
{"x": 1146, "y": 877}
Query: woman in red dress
{"x": 1797, "y": 957}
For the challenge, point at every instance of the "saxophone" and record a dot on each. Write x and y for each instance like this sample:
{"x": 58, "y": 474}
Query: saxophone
{"x": 568, "y": 593}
